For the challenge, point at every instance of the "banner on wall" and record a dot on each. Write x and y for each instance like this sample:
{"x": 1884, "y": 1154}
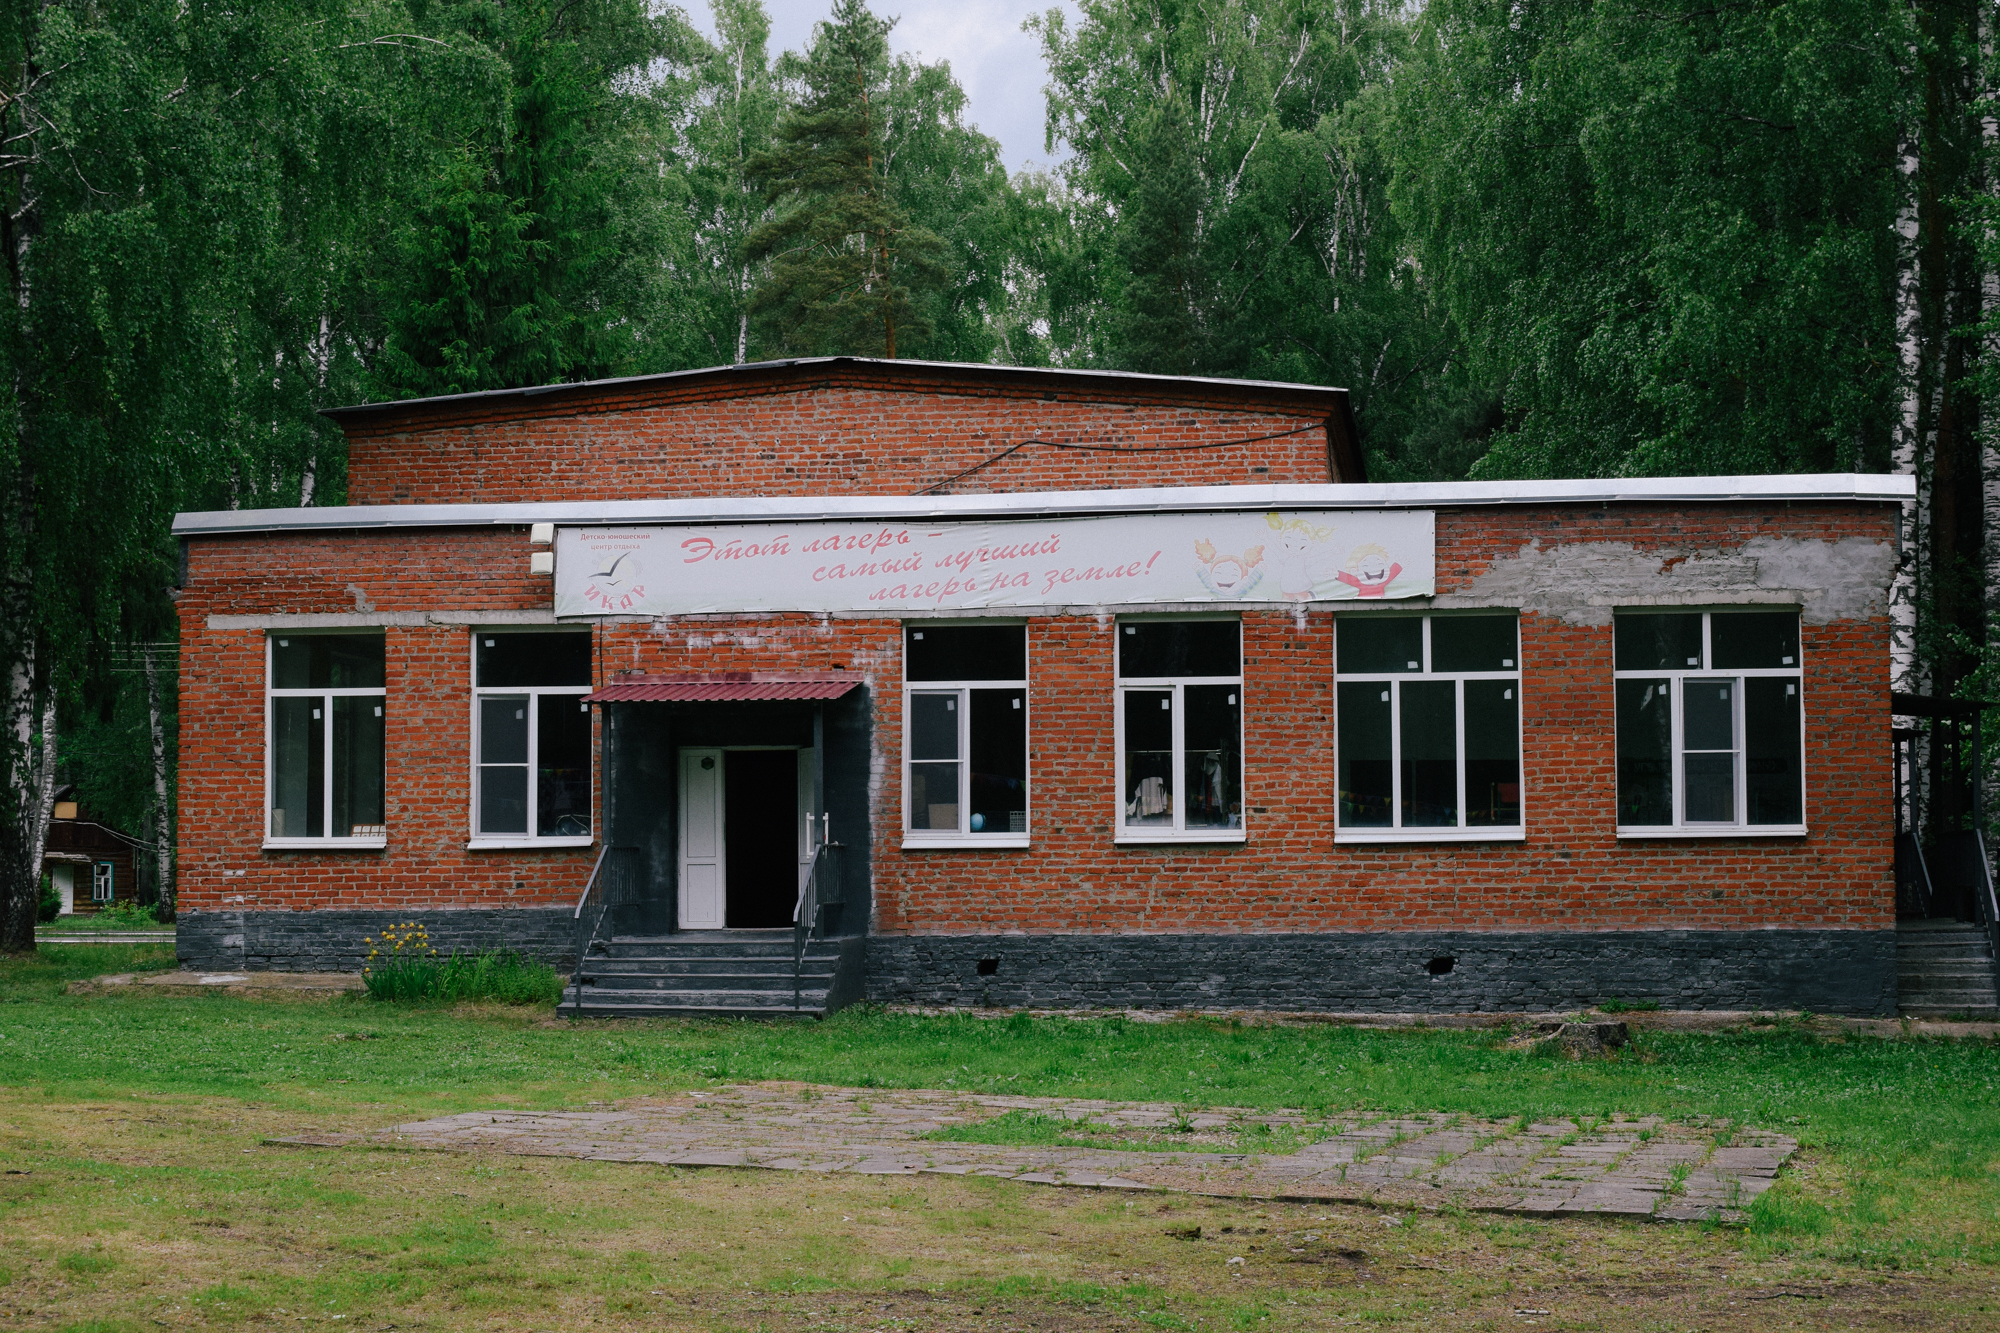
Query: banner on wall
{"x": 1204, "y": 559}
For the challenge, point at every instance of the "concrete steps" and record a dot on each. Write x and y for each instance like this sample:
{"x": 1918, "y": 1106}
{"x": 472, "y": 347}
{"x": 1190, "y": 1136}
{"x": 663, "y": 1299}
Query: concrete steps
{"x": 1944, "y": 969}
{"x": 738, "y": 973}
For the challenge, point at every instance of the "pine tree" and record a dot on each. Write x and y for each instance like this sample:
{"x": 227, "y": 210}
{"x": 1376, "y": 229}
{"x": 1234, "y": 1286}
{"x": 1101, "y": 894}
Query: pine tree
{"x": 847, "y": 265}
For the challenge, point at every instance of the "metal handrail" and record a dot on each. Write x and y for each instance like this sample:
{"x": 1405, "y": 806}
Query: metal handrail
{"x": 594, "y": 901}
{"x": 806, "y": 922}
{"x": 1989, "y": 905}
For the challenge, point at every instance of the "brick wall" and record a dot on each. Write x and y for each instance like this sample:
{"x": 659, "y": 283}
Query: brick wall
{"x": 1571, "y": 873}
{"x": 838, "y": 434}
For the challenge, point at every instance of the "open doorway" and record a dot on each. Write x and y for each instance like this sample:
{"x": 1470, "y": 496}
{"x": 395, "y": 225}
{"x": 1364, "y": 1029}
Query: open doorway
{"x": 744, "y": 843}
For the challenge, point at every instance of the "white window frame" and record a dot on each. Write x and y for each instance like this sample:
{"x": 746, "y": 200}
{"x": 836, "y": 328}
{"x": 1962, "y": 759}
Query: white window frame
{"x": 1677, "y": 679}
{"x": 1396, "y": 832}
{"x": 963, "y": 838}
{"x": 1121, "y": 686}
{"x": 503, "y": 842}
{"x": 363, "y": 842}
{"x": 103, "y": 882}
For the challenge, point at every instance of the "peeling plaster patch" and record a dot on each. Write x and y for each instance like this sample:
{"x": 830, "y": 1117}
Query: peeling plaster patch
{"x": 1850, "y": 577}
{"x": 361, "y": 602}
{"x": 1580, "y": 582}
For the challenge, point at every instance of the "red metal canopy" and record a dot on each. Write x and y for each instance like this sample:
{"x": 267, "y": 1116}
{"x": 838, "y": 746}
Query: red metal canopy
{"x": 722, "y": 687}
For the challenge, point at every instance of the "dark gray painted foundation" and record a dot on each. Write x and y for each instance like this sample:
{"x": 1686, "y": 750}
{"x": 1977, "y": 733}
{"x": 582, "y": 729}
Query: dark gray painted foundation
{"x": 1826, "y": 971}
{"x": 331, "y": 941}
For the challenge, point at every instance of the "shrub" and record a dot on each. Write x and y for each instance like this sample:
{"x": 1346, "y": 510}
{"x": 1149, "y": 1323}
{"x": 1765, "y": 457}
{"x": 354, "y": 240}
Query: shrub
{"x": 404, "y": 966}
{"x": 128, "y": 915}
{"x": 48, "y": 905}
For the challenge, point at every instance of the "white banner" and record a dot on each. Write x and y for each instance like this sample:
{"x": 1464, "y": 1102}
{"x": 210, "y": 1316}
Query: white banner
{"x": 1196, "y": 559}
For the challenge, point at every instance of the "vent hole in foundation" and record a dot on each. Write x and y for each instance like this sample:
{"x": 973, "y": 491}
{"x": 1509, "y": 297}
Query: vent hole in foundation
{"x": 988, "y": 966}
{"x": 1438, "y": 967}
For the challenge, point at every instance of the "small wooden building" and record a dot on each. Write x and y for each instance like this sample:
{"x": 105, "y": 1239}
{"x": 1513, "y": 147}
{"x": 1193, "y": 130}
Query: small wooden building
{"x": 89, "y": 862}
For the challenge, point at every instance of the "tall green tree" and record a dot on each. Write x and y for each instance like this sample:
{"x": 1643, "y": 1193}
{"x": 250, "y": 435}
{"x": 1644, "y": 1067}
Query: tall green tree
{"x": 733, "y": 95}
{"x": 1670, "y": 235}
{"x": 848, "y": 267}
{"x": 186, "y": 203}
{"x": 947, "y": 176}
{"x": 543, "y": 246}
{"x": 1228, "y": 194}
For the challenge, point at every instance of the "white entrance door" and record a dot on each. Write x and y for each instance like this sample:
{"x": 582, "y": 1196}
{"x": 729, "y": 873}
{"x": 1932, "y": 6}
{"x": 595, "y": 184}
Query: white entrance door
{"x": 703, "y": 875}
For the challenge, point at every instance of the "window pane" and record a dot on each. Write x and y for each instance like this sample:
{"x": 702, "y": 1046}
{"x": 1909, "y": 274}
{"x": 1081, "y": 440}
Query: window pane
{"x": 1710, "y": 723}
{"x": 358, "y": 728}
{"x": 1492, "y": 753}
{"x": 503, "y": 729}
{"x": 326, "y": 661}
{"x": 1645, "y": 752}
{"x": 1472, "y": 643}
{"x": 965, "y": 652}
{"x": 1657, "y": 643}
{"x": 521, "y": 660}
{"x": 1365, "y": 763}
{"x": 1153, "y": 648}
{"x": 1213, "y": 778}
{"x": 934, "y": 797}
{"x": 999, "y": 746}
{"x": 1430, "y": 754}
{"x": 1711, "y": 787}
{"x": 1378, "y": 643}
{"x": 1149, "y": 759}
{"x": 503, "y": 798}
{"x": 298, "y": 768}
{"x": 1708, "y": 734}
{"x": 1773, "y": 782}
{"x": 934, "y": 726}
{"x": 562, "y": 773}
{"x": 1754, "y": 639}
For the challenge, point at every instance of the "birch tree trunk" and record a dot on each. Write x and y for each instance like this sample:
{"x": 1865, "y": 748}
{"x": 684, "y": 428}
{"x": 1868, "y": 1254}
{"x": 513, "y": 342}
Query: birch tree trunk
{"x": 163, "y": 814}
{"x": 31, "y": 789}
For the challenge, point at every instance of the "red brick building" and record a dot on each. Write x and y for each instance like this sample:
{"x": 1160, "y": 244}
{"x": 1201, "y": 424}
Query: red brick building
{"x": 1107, "y": 690}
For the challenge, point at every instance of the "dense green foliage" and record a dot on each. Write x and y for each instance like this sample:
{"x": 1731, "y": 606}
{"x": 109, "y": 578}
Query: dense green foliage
{"x": 1670, "y": 236}
{"x": 1559, "y": 239}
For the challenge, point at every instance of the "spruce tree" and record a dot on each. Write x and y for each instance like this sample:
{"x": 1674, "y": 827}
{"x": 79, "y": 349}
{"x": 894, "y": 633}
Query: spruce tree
{"x": 847, "y": 265}
{"x": 533, "y": 253}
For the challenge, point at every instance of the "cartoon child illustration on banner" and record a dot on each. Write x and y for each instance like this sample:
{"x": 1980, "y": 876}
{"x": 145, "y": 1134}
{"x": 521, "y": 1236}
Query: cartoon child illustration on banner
{"x": 1369, "y": 571}
{"x": 1228, "y": 575}
{"x": 1300, "y": 545}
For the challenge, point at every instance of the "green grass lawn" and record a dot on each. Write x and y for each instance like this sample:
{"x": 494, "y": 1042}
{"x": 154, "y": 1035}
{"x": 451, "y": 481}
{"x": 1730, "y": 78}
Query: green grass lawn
{"x": 1899, "y": 1172}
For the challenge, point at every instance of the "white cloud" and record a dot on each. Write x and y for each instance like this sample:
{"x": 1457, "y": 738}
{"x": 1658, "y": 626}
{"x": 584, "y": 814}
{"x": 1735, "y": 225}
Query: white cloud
{"x": 998, "y": 65}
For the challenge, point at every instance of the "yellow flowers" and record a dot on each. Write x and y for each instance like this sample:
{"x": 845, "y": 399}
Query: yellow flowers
{"x": 406, "y": 939}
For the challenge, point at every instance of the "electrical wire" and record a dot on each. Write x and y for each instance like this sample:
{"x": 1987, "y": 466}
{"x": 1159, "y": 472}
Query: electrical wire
{"x": 1114, "y": 449}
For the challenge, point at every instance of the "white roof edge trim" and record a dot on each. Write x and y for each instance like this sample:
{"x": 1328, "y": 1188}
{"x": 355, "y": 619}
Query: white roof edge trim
{"x": 1831, "y": 486}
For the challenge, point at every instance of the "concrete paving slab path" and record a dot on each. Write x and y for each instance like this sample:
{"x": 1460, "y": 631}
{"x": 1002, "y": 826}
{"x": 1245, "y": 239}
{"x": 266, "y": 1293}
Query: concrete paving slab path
{"x": 1622, "y": 1167}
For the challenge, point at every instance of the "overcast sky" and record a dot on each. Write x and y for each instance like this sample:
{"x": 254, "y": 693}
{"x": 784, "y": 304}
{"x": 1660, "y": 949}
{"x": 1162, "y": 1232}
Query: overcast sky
{"x": 998, "y": 65}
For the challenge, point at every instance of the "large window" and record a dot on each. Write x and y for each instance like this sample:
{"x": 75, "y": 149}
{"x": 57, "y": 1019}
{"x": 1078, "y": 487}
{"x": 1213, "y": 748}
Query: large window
{"x": 1709, "y": 733}
{"x": 966, "y": 752}
{"x": 1180, "y": 730}
{"x": 326, "y": 727}
{"x": 1428, "y": 732}
{"x": 531, "y": 737}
